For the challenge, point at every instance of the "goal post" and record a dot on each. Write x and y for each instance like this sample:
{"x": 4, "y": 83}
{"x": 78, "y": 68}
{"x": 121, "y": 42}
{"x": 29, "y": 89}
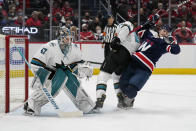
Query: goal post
{"x": 13, "y": 72}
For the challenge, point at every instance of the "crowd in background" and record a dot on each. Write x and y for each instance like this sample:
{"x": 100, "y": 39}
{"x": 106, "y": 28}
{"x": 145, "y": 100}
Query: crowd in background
{"x": 183, "y": 19}
{"x": 92, "y": 26}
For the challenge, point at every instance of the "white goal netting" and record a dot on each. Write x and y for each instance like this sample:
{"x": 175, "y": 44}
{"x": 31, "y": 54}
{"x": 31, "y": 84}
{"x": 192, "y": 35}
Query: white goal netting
{"x": 12, "y": 72}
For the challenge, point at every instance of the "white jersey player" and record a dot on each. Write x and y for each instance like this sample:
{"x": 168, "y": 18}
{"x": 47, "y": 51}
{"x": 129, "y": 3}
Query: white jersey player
{"x": 123, "y": 45}
{"x": 57, "y": 62}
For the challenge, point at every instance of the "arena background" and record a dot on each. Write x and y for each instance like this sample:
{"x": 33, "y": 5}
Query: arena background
{"x": 41, "y": 20}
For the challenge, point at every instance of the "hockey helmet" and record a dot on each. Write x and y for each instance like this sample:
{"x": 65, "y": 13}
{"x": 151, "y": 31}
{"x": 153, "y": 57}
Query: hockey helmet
{"x": 65, "y": 39}
{"x": 65, "y": 36}
{"x": 166, "y": 27}
{"x": 164, "y": 31}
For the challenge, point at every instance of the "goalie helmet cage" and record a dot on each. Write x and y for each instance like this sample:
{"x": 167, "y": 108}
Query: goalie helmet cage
{"x": 13, "y": 72}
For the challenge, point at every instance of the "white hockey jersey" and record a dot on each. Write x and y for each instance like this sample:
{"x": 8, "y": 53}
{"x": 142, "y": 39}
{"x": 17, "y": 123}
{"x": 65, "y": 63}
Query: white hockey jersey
{"x": 50, "y": 54}
{"x": 129, "y": 41}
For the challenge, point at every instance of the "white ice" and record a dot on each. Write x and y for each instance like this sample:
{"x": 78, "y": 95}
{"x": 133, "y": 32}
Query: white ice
{"x": 166, "y": 103}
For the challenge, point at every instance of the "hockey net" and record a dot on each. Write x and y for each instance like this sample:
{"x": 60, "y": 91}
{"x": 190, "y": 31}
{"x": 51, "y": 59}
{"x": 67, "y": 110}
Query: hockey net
{"x": 13, "y": 72}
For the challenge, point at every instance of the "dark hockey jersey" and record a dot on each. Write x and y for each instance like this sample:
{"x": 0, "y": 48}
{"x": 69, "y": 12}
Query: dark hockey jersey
{"x": 152, "y": 49}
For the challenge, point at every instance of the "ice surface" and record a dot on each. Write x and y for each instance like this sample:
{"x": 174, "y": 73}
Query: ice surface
{"x": 166, "y": 103}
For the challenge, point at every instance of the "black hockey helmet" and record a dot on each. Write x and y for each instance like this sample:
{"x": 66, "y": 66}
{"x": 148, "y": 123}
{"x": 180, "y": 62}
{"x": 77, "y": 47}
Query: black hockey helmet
{"x": 166, "y": 27}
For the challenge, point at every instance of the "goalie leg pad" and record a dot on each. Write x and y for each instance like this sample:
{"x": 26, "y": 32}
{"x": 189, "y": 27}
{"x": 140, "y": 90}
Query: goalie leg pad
{"x": 40, "y": 77}
{"x": 84, "y": 102}
{"x": 38, "y": 98}
{"x": 58, "y": 81}
{"x": 77, "y": 94}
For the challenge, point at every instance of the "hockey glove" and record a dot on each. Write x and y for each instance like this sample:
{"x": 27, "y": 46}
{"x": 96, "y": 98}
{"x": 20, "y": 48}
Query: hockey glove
{"x": 153, "y": 19}
{"x": 172, "y": 40}
{"x": 115, "y": 44}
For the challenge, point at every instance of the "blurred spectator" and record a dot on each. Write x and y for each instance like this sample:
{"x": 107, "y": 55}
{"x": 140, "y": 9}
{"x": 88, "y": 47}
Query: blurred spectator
{"x": 85, "y": 34}
{"x": 19, "y": 20}
{"x": 98, "y": 35}
{"x": 75, "y": 18}
{"x": 185, "y": 24}
{"x": 102, "y": 18}
{"x": 66, "y": 21}
{"x": 132, "y": 12}
{"x": 67, "y": 9}
{"x": 33, "y": 20}
{"x": 4, "y": 21}
{"x": 12, "y": 13}
{"x": 56, "y": 9}
{"x": 86, "y": 19}
{"x": 20, "y": 6}
{"x": 152, "y": 4}
{"x": 55, "y": 20}
{"x": 3, "y": 12}
{"x": 183, "y": 34}
{"x": 143, "y": 16}
{"x": 74, "y": 32}
{"x": 94, "y": 24}
{"x": 161, "y": 11}
{"x": 20, "y": 12}
{"x": 131, "y": 2}
{"x": 184, "y": 12}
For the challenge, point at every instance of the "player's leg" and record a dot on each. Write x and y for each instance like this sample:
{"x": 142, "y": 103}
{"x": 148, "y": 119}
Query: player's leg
{"x": 132, "y": 81}
{"x": 122, "y": 64}
{"x": 106, "y": 49}
{"x": 101, "y": 87}
{"x": 107, "y": 68}
{"x": 77, "y": 94}
{"x": 118, "y": 91}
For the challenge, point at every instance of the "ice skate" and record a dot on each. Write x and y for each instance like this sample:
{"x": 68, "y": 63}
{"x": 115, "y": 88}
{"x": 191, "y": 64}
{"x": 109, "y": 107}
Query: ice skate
{"x": 28, "y": 111}
{"x": 99, "y": 103}
{"x": 121, "y": 104}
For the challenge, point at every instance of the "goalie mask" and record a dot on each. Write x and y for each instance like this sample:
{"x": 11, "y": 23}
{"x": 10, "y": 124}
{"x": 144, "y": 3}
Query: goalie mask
{"x": 65, "y": 39}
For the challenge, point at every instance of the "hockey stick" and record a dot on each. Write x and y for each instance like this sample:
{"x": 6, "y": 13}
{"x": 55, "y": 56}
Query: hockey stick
{"x": 140, "y": 26}
{"x": 176, "y": 7}
{"x": 50, "y": 97}
{"x": 93, "y": 62}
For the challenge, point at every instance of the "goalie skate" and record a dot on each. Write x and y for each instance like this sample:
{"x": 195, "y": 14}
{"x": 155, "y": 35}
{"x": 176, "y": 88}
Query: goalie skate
{"x": 27, "y": 110}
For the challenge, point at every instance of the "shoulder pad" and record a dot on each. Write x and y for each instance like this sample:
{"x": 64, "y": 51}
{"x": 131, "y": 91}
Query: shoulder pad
{"x": 129, "y": 25}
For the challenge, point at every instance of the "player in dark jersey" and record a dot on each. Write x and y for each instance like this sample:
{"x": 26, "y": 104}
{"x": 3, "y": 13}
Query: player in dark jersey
{"x": 143, "y": 61}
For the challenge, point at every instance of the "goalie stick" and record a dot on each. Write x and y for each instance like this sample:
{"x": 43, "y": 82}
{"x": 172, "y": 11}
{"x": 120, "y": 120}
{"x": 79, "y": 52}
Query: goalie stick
{"x": 50, "y": 97}
{"x": 179, "y": 5}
